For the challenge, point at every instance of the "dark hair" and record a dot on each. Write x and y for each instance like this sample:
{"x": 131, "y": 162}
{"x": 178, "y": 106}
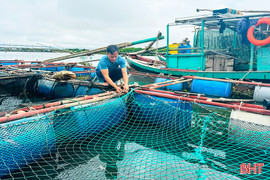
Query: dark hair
{"x": 112, "y": 48}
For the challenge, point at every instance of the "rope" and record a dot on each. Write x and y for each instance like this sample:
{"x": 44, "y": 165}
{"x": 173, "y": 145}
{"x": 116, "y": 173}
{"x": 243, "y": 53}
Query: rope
{"x": 245, "y": 75}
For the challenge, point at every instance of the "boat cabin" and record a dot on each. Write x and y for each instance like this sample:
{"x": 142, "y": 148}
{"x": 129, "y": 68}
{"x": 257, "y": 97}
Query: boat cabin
{"x": 221, "y": 43}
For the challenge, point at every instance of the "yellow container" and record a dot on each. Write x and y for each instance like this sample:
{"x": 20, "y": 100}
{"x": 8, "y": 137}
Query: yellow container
{"x": 172, "y": 47}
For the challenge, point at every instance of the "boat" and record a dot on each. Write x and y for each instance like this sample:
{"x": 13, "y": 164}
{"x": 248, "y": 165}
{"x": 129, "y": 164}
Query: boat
{"x": 221, "y": 49}
{"x": 161, "y": 58}
{"x": 147, "y": 65}
{"x": 44, "y": 66}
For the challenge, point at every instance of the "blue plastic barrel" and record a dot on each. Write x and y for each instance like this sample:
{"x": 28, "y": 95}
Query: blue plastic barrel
{"x": 90, "y": 119}
{"x": 85, "y": 90}
{"x": 77, "y": 69}
{"x": 181, "y": 46}
{"x": 53, "y": 69}
{"x": 188, "y": 46}
{"x": 63, "y": 90}
{"x": 82, "y": 73}
{"x": 44, "y": 87}
{"x": 25, "y": 141}
{"x": 169, "y": 113}
{"x": 211, "y": 88}
{"x": 54, "y": 89}
{"x": 60, "y": 68}
{"x": 92, "y": 91}
{"x": 93, "y": 75}
{"x": 175, "y": 87}
{"x": 44, "y": 69}
{"x": 8, "y": 63}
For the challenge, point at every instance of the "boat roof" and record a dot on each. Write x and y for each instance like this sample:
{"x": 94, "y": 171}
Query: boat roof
{"x": 211, "y": 20}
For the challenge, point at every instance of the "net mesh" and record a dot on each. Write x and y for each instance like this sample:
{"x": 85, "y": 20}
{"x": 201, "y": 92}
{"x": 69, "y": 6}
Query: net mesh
{"x": 134, "y": 137}
{"x": 224, "y": 42}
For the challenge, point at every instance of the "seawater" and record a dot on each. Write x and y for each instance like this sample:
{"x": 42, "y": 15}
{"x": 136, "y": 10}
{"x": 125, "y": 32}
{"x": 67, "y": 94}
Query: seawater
{"x": 41, "y": 56}
{"x": 9, "y": 103}
{"x": 132, "y": 150}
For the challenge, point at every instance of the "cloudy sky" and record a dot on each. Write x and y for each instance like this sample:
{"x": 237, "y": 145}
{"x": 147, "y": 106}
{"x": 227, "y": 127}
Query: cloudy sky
{"x": 97, "y": 23}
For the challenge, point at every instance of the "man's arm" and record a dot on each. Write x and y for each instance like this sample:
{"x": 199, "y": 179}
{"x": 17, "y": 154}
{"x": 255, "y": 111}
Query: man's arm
{"x": 125, "y": 78}
{"x": 105, "y": 73}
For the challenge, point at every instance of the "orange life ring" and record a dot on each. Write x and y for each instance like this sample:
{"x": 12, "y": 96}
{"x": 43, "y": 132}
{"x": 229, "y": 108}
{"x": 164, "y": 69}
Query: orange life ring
{"x": 251, "y": 30}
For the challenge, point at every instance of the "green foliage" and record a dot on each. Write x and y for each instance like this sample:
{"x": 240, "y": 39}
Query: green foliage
{"x": 130, "y": 50}
{"x": 242, "y": 91}
{"x": 84, "y": 78}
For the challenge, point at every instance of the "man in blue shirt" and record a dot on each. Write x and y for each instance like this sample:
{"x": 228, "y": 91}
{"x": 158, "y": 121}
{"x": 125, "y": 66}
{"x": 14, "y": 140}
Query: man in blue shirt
{"x": 112, "y": 67}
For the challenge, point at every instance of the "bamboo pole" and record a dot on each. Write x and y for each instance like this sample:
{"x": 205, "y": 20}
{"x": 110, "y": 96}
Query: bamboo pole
{"x": 103, "y": 49}
{"x": 58, "y": 107}
{"x": 231, "y": 106}
{"x": 164, "y": 85}
{"x": 199, "y": 96}
{"x": 170, "y": 81}
{"x": 228, "y": 80}
{"x": 66, "y": 101}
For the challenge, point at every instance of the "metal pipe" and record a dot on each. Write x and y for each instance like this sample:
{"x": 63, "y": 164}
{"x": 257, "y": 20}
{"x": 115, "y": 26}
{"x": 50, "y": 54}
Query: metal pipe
{"x": 251, "y": 57}
{"x": 147, "y": 40}
{"x": 168, "y": 38}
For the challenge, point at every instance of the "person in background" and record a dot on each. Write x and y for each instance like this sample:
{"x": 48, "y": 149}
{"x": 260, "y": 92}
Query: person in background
{"x": 188, "y": 46}
{"x": 112, "y": 67}
{"x": 182, "y": 45}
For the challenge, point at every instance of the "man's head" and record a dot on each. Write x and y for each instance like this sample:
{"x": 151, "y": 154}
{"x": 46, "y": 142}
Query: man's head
{"x": 112, "y": 52}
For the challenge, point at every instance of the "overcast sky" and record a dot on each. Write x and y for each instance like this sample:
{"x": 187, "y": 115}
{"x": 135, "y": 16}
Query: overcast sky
{"x": 97, "y": 23}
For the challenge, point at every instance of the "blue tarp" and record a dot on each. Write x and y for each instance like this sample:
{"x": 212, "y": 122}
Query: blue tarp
{"x": 242, "y": 27}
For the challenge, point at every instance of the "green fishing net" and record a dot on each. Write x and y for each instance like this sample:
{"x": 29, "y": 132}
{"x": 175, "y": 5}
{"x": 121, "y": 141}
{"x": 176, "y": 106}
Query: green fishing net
{"x": 225, "y": 44}
{"x": 134, "y": 137}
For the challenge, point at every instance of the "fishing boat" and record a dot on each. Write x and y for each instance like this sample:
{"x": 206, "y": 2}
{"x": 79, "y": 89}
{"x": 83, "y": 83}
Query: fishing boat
{"x": 43, "y": 66}
{"x": 161, "y": 57}
{"x": 223, "y": 47}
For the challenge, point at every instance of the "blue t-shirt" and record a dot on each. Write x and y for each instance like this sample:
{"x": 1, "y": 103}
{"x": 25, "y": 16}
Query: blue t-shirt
{"x": 105, "y": 63}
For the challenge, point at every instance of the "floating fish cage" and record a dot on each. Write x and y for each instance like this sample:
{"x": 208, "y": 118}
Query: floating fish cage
{"x": 90, "y": 119}
{"x": 135, "y": 136}
{"x": 174, "y": 114}
{"x": 24, "y": 141}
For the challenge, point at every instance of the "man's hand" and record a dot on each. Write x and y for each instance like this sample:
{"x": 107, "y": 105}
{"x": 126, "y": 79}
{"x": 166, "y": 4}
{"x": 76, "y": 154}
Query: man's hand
{"x": 118, "y": 89}
{"x": 126, "y": 88}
